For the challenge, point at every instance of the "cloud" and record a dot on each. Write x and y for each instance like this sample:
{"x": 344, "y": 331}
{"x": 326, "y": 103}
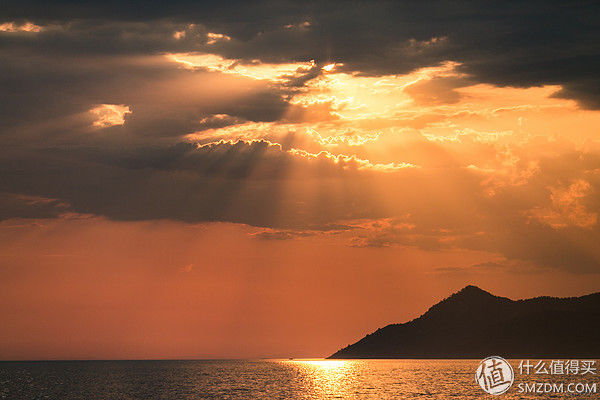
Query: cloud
{"x": 474, "y": 268}
{"x": 351, "y": 162}
{"x": 15, "y": 27}
{"x": 273, "y": 234}
{"x": 539, "y": 43}
{"x": 309, "y": 230}
{"x": 436, "y": 91}
{"x": 228, "y": 181}
{"x": 13, "y": 205}
{"x": 110, "y": 115}
{"x": 567, "y": 208}
{"x": 49, "y": 98}
{"x": 293, "y": 193}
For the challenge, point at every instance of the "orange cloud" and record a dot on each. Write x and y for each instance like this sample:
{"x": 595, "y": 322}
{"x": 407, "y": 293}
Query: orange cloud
{"x": 567, "y": 208}
{"x": 352, "y": 162}
{"x": 110, "y": 115}
{"x": 15, "y": 27}
{"x": 256, "y": 70}
{"x": 216, "y": 37}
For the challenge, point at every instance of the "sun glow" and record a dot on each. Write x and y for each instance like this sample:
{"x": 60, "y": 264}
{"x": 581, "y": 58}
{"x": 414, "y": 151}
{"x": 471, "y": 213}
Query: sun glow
{"x": 321, "y": 364}
{"x": 14, "y": 27}
{"x": 255, "y": 70}
{"x": 329, "y": 67}
{"x": 110, "y": 115}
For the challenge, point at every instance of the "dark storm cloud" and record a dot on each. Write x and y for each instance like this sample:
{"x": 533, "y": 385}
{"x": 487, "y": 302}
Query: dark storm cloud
{"x": 504, "y": 43}
{"x": 234, "y": 182}
{"x": 50, "y": 97}
{"x": 14, "y": 205}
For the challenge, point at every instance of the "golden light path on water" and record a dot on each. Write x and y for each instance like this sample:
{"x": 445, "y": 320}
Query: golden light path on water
{"x": 323, "y": 364}
{"x": 326, "y": 378}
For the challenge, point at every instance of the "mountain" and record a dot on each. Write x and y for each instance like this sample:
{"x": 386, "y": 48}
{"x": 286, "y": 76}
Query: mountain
{"x": 473, "y": 323}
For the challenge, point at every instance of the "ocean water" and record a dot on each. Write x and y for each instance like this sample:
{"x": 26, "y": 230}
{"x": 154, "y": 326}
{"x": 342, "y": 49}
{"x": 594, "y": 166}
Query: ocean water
{"x": 260, "y": 379}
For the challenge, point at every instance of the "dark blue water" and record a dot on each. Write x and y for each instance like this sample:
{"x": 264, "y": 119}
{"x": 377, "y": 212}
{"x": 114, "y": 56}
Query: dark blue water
{"x": 247, "y": 379}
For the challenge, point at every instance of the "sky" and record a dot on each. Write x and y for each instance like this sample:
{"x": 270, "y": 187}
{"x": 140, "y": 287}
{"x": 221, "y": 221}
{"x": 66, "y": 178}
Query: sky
{"x": 277, "y": 179}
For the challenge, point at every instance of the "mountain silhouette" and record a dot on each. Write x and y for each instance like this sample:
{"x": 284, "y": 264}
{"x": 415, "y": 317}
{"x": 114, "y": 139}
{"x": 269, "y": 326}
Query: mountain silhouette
{"x": 473, "y": 323}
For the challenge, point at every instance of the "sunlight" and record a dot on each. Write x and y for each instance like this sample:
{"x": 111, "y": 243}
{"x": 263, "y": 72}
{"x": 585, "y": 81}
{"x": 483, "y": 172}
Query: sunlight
{"x": 255, "y": 70}
{"x": 329, "y": 67}
{"x": 323, "y": 364}
{"x": 110, "y": 115}
{"x": 14, "y": 27}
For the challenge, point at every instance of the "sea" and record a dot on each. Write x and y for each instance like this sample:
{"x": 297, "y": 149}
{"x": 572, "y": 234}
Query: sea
{"x": 269, "y": 379}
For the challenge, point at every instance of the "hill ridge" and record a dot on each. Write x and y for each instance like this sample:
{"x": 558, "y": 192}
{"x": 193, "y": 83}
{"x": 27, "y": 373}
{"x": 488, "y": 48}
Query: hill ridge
{"x": 459, "y": 325}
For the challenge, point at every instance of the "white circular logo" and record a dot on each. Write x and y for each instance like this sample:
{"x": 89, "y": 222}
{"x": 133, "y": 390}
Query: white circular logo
{"x": 494, "y": 375}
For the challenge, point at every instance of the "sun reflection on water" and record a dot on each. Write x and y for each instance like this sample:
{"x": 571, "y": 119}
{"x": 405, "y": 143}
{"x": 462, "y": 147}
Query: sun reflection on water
{"x": 324, "y": 364}
{"x": 325, "y": 378}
